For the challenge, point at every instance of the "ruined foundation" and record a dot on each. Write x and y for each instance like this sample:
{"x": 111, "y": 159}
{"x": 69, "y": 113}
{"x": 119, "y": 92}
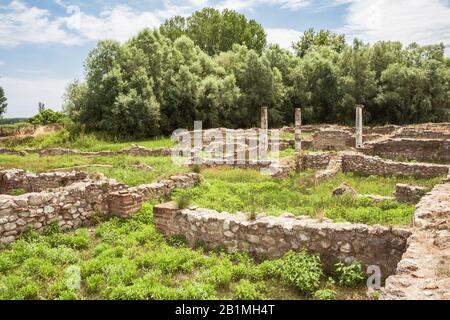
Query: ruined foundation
{"x": 272, "y": 236}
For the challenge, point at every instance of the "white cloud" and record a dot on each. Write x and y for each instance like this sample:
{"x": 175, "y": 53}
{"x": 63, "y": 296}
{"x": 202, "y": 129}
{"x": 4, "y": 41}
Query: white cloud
{"x": 24, "y": 94}
{"x": 251, "y": 4}
{"x": 22, "y": 24}
{"x": 119, "y": 23}
{"x": 422, "y": 21}
{"x": 2, "y": 63}
{"x": 283, "y": 37}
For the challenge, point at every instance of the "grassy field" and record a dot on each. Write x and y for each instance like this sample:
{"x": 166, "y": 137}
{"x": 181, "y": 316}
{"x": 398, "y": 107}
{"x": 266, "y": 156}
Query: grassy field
{"x": 81, "y": 141}
{"x": 235, "y": 190}
{"x": 122, "y": 169}
{"x": 129, "y": 259}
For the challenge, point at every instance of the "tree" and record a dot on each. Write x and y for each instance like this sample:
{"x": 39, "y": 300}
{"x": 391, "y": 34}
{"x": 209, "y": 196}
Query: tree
{"x": 215, "y": 67}
{"x": 356, "y": 83}
{"x": 316, "y": 85}
{"x": 323, "y": 38}
{"x": 3, "y": 103}
{"x": 48, "y": 116}
{"x": 214, "y": 31}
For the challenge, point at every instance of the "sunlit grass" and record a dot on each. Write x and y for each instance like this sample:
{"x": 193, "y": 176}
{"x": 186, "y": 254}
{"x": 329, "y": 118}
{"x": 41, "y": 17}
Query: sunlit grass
{"x": 235, "y": 190}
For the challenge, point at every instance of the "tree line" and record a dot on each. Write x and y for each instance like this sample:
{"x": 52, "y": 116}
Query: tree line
{"x": 217, "y": 67}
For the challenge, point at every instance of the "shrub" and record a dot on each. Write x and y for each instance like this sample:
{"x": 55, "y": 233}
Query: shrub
{"x": 178, "y": 240}
{"x": 300, "y": 270}
{"x": 183, "y": 201}
{"x": 325, "y": 294}
{"x": 246, "y": 290}
{"x": 48, "y": 116}
{"x": 196, "y": 168}
{"x": 94, "y": 281}
{"x": 17, "y": 192}
{"x": 349, "y": 275}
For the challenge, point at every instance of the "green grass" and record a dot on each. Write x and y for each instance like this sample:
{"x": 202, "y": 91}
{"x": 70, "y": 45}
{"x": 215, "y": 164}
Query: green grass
{"x": 235, "y": 190}
{"x": 129, "y": 259}
{"x": 81, "y": 141}
{"x": 122, "y": 169}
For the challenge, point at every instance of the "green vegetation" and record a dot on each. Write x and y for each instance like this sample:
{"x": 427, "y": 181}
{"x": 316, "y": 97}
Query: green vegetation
{"x": 12, "y": 120}
{"x": 216, "y": 67}
{"x": 214, "y": 31}
{"x": 3, "y": 103}
{"x": 73, "y": 137}
{"x": 17, "y": 192}
{"x": 48, "y": 116}
{"x": 129, "y": 259}
{"x": 123, "y": 167}
{"x": 235, "y": 190}
{"x": 349, "y": 275}
{"x": 13, "y": 128}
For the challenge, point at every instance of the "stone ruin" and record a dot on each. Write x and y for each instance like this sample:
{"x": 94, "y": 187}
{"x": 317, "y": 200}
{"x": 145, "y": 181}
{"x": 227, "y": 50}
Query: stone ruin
{"x": 73, "y": 199}
{"x": 272, "y": 237}
{"x": 415, "y": 261}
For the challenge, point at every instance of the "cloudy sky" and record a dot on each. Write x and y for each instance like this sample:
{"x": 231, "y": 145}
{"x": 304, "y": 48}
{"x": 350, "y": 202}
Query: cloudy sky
{"x": 43, "y": 43}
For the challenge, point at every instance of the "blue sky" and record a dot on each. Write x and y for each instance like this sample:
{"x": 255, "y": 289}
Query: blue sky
{"x": 43, "y": 43}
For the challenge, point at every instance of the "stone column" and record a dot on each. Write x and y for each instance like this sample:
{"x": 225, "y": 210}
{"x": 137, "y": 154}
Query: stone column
{"x": 264, "y": 119}
{"x": 359, "y": 125}
{"x": 298, "y": 130}
{"x": 264, "y": 133}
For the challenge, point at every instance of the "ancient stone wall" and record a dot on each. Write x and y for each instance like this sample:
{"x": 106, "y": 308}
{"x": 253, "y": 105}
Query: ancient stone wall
{"x": 272, "y": 236}
{"x": 12, "y": 152}
{"x": 76, "y": 204}
{"x": 423, "y": 272}
{"x": 315, "y": 161}
{"x": 409, "y": 193}
{"x": 134, "y": 150}
{"x": 362, "y": 164}
{"x": 411, "y": 149}
{"x": 72, "y": 206}
{"x": 331, "y": 139}
{"x": 31, "y": 182}
{"x": 422, "y": 134}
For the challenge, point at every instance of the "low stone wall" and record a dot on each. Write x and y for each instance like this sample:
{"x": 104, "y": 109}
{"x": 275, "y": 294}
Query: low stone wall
{"x": 411, "y": 149}
{"x": 408, "y": 193}
{"x": 134, "y": 150}
{"x": 72, "y": 206}
{"x": 272, "y": 237}
{"x": 330, "y": 139}
{"x": 423, "y": 272}
{"x": 12, "y": 152}
{"x": 315, "y": 161}
{"x": 77, "y": 203}
{"x": 352, "y": 162}
{"x": 422, "y": 134}
{"x": 164, "y": 188}
{"x": 31, "y": 182}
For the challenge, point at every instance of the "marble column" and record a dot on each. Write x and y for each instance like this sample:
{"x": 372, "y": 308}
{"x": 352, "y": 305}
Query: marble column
{"x": 359, "y": 125}
{"x": 264, "y": 133}
{"x": 298, "y": 130}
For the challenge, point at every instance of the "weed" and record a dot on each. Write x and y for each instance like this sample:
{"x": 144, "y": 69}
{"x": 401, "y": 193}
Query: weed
{"x": 349, "y": 275}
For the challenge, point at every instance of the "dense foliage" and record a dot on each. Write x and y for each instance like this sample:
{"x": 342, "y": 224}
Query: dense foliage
{"x": 214, "y": 31}
{"x": 194, "y": 70}
{"x": 48, "y": 116}
{"x": 3, "y": 103}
